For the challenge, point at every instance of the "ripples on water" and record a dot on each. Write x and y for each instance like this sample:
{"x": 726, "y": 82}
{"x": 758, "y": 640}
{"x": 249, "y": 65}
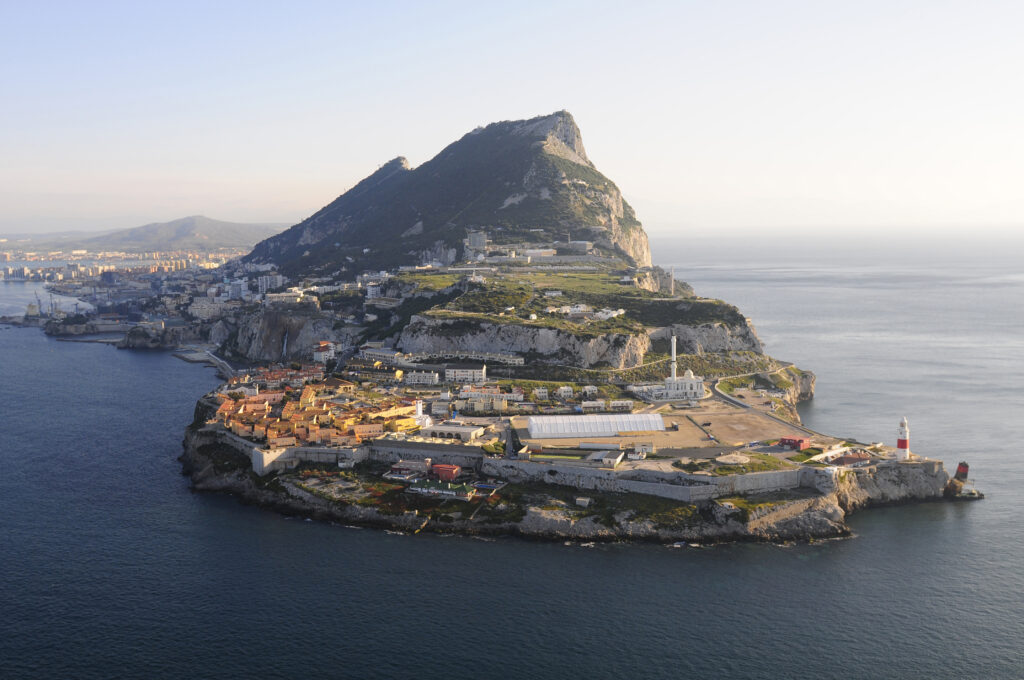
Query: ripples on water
{"x": 112, "y": 568}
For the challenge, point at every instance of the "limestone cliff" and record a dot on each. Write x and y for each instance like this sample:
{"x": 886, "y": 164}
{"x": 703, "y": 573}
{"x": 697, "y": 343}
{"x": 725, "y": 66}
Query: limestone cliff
{"x": 711, "y": 337}
{"x": 428, "y": 334}
{"x": 803, "y": 387}
{"x": 890, "y": 483}
{"x": 657, "y": 280}
{"x": 273, "y": 334}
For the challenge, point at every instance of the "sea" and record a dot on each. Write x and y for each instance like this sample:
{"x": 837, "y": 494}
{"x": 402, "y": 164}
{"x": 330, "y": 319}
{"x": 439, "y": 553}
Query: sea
{"x": 111, "y": 567}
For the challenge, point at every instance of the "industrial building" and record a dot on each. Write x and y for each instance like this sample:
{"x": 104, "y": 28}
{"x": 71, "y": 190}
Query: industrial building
{"x": 453, "y": 430}
{"x": 604, "y": 425}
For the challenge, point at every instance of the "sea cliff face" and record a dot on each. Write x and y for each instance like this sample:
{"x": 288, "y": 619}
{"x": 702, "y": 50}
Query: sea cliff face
{"x": 168, "y": 338}
{"x": 890, "y": 484}
{"x": 803, "y": 387}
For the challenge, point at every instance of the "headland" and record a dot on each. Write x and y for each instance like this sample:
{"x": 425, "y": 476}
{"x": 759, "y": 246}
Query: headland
{"x": 501, "y": 358}
{"x": 327, "y": 448}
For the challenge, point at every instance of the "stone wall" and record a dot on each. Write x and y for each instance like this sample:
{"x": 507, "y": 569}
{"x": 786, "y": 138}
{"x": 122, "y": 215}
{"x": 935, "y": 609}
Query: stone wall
{"x": 596, "y": 479}
{"x": 686, "y": 494}
{"x": 757, "y": 482}
{"x": 391, "y": 452}
{"x": 265, "y": 461}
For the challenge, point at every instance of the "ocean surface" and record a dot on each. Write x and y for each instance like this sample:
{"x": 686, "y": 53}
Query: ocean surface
{"x": 112, "y": 568}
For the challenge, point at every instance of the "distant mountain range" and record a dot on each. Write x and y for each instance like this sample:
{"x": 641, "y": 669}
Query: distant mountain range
{"x": 188, "y": 233}
{"x": 518, "y": 180}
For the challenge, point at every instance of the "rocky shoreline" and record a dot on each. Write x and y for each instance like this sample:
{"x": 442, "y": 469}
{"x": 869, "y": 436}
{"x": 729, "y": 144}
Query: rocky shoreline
{"x": 819, "y": 514}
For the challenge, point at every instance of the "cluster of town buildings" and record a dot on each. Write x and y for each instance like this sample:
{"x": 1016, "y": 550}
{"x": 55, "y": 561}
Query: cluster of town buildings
{"x": 288, "y": 407}
{"x": 81, "y": 264}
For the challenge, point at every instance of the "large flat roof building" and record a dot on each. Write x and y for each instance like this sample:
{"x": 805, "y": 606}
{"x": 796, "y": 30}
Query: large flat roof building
{"x": 453, "y": 430}
{"x": 604, "y": 425}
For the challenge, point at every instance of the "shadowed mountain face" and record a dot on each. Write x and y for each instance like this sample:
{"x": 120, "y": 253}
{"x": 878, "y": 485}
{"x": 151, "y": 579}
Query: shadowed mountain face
{"x": 527, "y": 179}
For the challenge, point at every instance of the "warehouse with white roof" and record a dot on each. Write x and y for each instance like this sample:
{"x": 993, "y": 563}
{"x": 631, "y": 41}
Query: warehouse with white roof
{"x": 603, "y": 425}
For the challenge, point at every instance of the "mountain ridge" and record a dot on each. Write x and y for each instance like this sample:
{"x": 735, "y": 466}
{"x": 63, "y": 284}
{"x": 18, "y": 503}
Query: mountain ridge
{"x": 194, "y": 232}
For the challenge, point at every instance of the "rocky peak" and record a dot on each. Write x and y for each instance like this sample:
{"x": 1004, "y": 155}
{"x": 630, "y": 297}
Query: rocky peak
{"x": 516, "y": 177}
{"x": 560, "y": 134}
{"x": 395, "y": 167}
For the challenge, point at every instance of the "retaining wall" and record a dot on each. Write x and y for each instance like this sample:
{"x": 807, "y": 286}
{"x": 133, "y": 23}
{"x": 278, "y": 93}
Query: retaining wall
{"x": 392, "y": 451}
{"x": 682, "y": 487}
{"x": 604, "y": 479}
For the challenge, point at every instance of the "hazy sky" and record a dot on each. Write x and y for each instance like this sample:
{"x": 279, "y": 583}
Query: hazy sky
{"x": 712, "y": 117}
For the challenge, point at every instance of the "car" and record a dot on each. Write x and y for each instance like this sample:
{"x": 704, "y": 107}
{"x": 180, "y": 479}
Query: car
{"x": 705, "y": 424}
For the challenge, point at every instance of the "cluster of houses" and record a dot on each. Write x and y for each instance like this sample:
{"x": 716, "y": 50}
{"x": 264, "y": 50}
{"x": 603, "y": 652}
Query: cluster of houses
{"x": 299, "y": 407}
{"x": 379, "y": 370}
{"x": 587, "y": 396}
{"x": 493, "y": 399}
{"x": 582, "y": 312}
{"x": 482, "y": 398}
{"x": 274, "y": 377}
{"x": 319, "y": 413}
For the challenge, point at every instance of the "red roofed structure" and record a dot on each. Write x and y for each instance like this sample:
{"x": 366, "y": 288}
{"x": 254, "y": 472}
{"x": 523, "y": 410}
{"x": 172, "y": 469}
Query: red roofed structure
{"x": 446, "y": 473}
{"x": 795, "y": 443}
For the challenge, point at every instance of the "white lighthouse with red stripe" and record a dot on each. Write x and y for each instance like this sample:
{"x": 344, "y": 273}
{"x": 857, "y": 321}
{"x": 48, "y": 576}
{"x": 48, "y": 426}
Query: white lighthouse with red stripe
{"x": 903, "y": 440}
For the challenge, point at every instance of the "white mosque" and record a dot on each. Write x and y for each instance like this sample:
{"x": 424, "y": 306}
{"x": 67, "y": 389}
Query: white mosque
{"x": 690, "y": 387}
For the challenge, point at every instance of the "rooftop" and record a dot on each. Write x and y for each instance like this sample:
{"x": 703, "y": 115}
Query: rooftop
{"x": 604, "y": 425}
